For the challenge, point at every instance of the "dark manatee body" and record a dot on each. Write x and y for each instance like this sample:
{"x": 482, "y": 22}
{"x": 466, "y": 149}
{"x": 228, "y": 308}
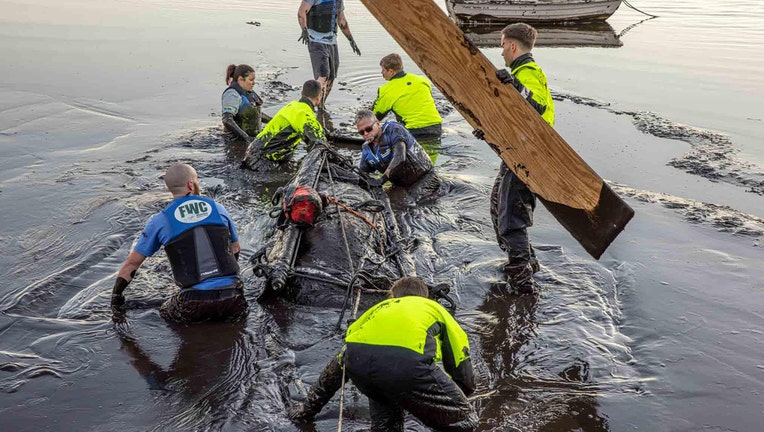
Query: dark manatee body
{"x": 349, "y": 241}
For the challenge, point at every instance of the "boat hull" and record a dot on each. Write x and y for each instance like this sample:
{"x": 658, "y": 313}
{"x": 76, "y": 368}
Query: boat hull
{"x": 532, "y": 11}
{"x": 599, "y": 34}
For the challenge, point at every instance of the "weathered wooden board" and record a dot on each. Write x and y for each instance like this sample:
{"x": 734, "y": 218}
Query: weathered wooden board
{"x": 565, "y": 184}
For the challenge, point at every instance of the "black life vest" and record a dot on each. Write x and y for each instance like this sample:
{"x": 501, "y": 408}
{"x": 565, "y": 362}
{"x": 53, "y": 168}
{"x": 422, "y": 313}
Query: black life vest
{"x": 323, "y": 16}
{"x": 200, "y": 247}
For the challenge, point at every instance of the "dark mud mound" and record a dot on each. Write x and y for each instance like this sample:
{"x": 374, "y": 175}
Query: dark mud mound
{"x": 713, "y": 155}
{"x": 350, "y": 243}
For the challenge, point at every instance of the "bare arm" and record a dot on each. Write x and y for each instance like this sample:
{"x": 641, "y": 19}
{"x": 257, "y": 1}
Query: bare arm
{"x": 344, "y": 26}
{"x": 236, "y": 247}
{"x": 131, "y": 264}
{"x": 302, "y": 14}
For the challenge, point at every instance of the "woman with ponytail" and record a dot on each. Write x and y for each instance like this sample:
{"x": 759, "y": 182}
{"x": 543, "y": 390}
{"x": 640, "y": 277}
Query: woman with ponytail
{"x": 241, "y": 105}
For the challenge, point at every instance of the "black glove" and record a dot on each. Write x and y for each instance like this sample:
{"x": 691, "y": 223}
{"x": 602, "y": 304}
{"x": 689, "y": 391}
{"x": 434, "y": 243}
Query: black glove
{"x": 304, "y": 37}
{"x": 298, "y": 414}
{"x": 118, "y": 300}
{"x": 118, "y": 308}
{"x": 354, "y": 47}
{"x": 230, "y": 124}
{"x": 479, "y": 134}
{"x": 505, "y": 77}
{"x": 119, "y": 287}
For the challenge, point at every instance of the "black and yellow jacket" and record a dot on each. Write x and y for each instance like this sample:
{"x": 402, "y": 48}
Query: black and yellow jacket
{"x": 533, "y": 78}
{"x": 401, "y": 337}
{"x": 293, "y": 123}
{"x": 409, "y": 97}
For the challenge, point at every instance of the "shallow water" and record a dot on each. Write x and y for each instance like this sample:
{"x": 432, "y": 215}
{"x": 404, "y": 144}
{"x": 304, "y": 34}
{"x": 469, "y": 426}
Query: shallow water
{"x": 663, "y": 333}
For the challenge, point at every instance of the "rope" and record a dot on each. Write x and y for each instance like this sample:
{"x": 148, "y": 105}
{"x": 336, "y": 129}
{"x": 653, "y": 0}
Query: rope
{"x": 342, "y": 390}
{"x": 351, "y": 211}
{"x": 644, "y": 13}
{"x": 342, "y": 399}
{"x": 339, "y": 214}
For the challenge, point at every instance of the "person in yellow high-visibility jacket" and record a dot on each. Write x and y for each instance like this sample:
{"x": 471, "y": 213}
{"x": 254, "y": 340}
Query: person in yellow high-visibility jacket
{"x": 512, "y": 203}
{"x": 405, "y": 353}
{"x": 293, "y": 123}
{"x": 409, "y": 97}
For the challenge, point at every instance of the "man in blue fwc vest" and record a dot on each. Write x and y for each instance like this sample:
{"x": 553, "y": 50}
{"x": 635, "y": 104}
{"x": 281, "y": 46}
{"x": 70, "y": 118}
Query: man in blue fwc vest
{"x": 202, "y": 246}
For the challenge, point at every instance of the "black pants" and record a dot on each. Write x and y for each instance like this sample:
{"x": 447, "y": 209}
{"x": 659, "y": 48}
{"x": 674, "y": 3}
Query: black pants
{"x": 431, "y": 397}
{"x": 512, "y": 205}
{"x": 191, "y": 305}
{"x": 429, "y": 394}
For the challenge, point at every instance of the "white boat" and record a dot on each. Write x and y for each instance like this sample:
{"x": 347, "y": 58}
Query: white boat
{"x": 531, "y": 11}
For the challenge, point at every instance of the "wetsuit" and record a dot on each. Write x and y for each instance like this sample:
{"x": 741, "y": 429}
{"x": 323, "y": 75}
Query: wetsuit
{"x": 197, "y": 234}
{"x": 241, "y": 111}
{"x": 405, "y": 353}
{"x": 512, "y": 203}
{"x": 293, "y": 123}
{"x": 397, "y": 150}
{"x": 322, "y": 28}
{"x": 409, "y": 97}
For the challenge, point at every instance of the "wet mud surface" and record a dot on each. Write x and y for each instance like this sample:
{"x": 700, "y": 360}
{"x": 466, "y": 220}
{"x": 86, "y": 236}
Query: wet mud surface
{"x": 662, "y": 333}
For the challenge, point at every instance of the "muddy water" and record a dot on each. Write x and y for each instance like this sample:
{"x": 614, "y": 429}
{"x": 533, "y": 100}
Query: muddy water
{"x": 663, "y": 333}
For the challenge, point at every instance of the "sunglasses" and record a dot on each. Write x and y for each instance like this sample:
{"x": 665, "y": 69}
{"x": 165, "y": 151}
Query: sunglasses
{"x": 366, "y": 130}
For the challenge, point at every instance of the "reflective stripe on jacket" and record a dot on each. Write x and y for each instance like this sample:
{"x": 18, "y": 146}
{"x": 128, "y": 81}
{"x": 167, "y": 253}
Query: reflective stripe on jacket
{"x": 532, "y": 77}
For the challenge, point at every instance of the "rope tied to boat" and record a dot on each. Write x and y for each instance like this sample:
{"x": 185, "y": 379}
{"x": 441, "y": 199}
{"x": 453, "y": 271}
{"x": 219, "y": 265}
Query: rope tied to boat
{"x": 643, "y": 13}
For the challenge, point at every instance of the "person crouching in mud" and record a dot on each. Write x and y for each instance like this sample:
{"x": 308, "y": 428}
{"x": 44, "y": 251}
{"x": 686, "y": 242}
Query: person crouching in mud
{"x": 293, "y": 123}
{"x": 202, "y": 245}
{"x": 390, "y": 149}
{"x": 242, "y": 111}
{"x": 405, "y": 353}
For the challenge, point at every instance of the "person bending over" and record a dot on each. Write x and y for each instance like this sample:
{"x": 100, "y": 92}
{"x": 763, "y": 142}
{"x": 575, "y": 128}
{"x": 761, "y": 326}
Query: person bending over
{"x": 241, "y": 105}
{"x": 202, "y": 245}
{"x": 405, "y": 353}
{"x": 293, "y": 123}
{"x": 391, "y": 150}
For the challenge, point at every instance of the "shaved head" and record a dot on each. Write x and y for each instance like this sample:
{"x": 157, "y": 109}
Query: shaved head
{"x": 177, "y": 177}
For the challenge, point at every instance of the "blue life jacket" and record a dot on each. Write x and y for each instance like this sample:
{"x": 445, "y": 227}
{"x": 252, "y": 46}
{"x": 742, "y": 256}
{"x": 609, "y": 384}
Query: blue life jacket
{"x": 200, "y": 242}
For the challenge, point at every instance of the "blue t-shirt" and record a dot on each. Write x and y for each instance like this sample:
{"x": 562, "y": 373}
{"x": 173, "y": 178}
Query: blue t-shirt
{"x": 157, "y": 233}
{"x": 329, "y": 38}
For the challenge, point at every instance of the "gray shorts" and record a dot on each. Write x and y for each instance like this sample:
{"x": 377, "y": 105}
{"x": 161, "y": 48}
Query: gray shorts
{"x": 325, "y": 60}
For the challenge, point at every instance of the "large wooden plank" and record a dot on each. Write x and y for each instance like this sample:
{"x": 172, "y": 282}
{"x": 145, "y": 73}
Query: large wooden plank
{"x": 565, "y": 184}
